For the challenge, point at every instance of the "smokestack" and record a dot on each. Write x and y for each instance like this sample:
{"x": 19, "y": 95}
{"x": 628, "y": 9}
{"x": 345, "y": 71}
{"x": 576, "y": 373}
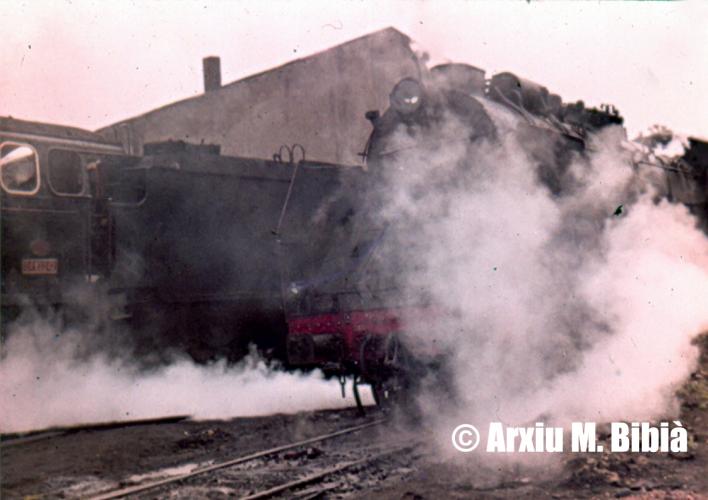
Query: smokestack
{"x": 212, "y": 73}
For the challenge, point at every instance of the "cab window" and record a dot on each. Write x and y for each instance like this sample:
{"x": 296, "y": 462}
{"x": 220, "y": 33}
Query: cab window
{"x": 66, "y": 174}
{"x": 19, "y": 168}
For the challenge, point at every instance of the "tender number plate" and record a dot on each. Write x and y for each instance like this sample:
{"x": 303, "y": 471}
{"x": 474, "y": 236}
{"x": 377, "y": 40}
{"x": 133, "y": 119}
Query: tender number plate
{"x": 35, "y": 267}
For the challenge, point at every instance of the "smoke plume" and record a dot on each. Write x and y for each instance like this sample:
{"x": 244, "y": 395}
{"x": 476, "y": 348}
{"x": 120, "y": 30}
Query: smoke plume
{"x": 578, "y": 304}
{"x": 54, "y": 375}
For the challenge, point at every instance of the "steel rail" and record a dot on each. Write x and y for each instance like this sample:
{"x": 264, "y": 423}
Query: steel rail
{"x": 319, "y": 475}
{"x": 31, "y": 436}
{"x": 30, "y": 439}
{"x": 131, "y": 490}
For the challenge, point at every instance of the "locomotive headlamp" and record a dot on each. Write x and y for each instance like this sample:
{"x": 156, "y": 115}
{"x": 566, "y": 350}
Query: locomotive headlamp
{"x": 406, "y": 96}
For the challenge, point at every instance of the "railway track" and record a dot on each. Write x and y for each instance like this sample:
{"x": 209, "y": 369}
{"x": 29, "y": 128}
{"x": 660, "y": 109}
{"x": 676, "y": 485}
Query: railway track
{"x": 14, "y": 439}
{"x": 272, "y": 472}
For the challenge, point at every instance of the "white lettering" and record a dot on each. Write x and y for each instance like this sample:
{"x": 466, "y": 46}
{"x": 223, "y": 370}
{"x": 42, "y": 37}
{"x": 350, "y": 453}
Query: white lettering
{"x": 495, "y": 439}
{"x": 679, "y": 438}
{"x": 619, "y": 438}
{"x": 583, "y": 436}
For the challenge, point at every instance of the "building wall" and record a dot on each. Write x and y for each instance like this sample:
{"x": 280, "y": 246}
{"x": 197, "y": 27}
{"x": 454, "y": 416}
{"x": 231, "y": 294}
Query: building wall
{"x": 318, "y": 102}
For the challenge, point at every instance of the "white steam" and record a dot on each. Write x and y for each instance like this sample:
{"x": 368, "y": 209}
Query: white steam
{"x": 561, "y": 308}
{"x": 43, "y": 383}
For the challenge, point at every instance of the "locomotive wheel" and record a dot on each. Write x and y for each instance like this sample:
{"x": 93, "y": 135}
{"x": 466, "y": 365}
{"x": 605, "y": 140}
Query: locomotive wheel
{"x": 398, "y": 397}
{"x": 392, "y": 374}
{"x": 385, "y": 394}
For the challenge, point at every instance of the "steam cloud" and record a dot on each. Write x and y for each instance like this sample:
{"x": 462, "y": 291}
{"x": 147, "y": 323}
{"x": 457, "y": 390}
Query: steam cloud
{"x": 557, "y": 308}
{"x": 54, "y": 376}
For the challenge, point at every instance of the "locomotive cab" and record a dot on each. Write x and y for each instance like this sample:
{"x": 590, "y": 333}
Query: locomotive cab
{"x": 49, "y": 191}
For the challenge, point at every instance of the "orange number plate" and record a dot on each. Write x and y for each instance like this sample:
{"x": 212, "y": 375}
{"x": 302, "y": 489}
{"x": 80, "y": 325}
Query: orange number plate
{"x": 40, "y": 266}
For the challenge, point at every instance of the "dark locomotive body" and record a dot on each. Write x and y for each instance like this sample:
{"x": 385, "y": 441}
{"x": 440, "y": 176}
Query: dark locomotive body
{"x": 185, "y": 246}
{"x": 202, "y": 252}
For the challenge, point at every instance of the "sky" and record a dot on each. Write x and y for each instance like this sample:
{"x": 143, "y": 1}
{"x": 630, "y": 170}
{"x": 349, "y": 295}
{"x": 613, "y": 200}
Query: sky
{"x": 93, "y": 63}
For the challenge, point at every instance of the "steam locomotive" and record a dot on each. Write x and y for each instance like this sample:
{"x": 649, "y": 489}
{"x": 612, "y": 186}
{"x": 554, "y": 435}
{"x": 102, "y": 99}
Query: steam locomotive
{"x": 354, "y": 323}
{"x": 206, "y": 253}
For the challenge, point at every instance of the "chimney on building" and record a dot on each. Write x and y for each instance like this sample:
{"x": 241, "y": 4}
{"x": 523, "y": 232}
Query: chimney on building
{"x": 212, "y": 73}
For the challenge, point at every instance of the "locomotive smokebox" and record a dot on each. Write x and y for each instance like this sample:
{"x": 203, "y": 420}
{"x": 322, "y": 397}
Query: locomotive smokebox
{"x": 212, "y": 73}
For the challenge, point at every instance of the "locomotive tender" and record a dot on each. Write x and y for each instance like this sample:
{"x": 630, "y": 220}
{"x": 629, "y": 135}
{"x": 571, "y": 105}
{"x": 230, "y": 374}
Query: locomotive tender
{"x": 184, "y": 245}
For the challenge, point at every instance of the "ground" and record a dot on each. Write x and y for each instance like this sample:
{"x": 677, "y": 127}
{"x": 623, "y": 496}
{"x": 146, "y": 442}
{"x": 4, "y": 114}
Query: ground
{"x": 84, "y": 462}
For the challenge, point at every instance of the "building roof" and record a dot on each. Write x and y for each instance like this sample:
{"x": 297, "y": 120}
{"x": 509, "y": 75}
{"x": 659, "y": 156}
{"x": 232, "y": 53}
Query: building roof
{"x": 383, "y": 33}
{"x": 9, "y": 123}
